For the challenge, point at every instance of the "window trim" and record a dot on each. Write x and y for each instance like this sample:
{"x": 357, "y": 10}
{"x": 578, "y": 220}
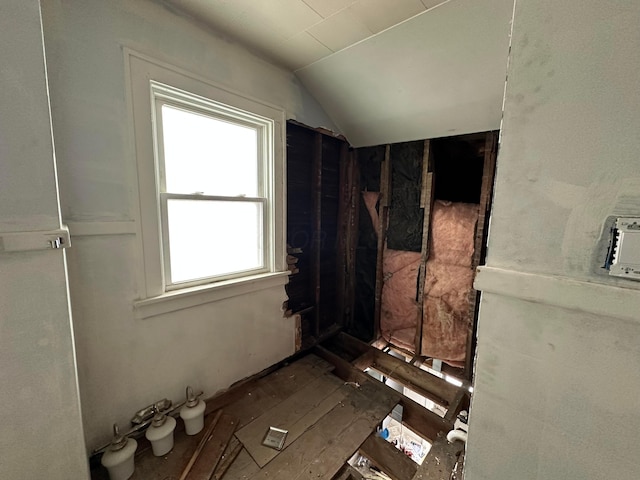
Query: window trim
{"x": 162, "y": 95}
{"x": 140, "y": 71}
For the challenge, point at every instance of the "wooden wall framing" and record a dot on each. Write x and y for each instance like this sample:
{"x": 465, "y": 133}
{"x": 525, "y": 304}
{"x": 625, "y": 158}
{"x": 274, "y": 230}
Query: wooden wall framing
{"x": 427, "y": 196}
{"x": 317, "y": 165}
{"x": 383, "y": 223}
{"x": 486, "y": 194}
{"x": 426, "y": 203}
{"x": 322, "y": 315}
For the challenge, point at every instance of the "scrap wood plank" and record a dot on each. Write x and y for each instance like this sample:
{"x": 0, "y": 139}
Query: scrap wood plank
{"x": 251, "y": 400}
{"x": 440, "y": 461}
{"x": 323, "y": 449}
{"x": 228, "y": 457}
{"x": 203, "y": 441}
{"x": 388, "y": 458}
{"x": 213, "y": 449}
{"x": 296, "y": 415}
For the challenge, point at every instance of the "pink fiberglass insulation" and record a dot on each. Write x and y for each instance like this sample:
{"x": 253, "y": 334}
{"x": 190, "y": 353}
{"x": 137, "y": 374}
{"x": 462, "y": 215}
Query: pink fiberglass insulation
{"x": 399, "y": 309}
{"x": 448, "y": 284}
{"x": 370, "y": 201}
{"x": 446, "y": 312}
{"x": 449, "y": 281}
{"x": 453, "y": 227}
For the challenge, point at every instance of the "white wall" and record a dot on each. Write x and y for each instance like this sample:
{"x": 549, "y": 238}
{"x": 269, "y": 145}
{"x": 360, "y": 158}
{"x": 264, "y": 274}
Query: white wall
{"x": 126, "y": 363}
{"x": 557, "y": 384}
{"x": 40, "y": 415}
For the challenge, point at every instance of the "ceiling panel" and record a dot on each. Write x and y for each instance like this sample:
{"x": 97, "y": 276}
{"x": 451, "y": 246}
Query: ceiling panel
{"x": 272, "y": 27}
{"x": 440, "y": 73}
{"x": 300, "y": 50}
{"x": 431, "y": 3}
{"x": 326, "y": 8}
{"x": 379, "y": 15}
{"x": 282, "y": 17}
{"x": 340, "y": 30}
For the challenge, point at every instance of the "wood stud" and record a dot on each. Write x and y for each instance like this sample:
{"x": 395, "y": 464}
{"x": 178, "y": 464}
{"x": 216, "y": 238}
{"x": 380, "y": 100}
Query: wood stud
{"x": 343, "y": 233}
{"x": 426, "y": 203}
{"x": 316, "y": 245}
{"x": 488, "y": 172}
{"x": 383, "y": 222}
{"x": 352, "y": 236}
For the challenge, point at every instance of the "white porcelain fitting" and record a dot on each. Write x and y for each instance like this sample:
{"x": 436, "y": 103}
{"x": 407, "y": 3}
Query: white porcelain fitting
{"x": 193, "y": 413}
{"x": 118, "y": 458}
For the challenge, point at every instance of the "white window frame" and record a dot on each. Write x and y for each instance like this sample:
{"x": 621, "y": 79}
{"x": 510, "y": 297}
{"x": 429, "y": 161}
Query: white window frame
{"x": 167, "y": 95}
{"x": 150, "y": 81}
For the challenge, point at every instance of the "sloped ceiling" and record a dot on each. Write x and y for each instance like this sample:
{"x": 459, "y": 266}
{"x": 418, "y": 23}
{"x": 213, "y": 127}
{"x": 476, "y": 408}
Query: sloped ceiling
{"x": 385, "y": 71}
{"x": 295, "y": 33}
{"x": 439, "y": 74}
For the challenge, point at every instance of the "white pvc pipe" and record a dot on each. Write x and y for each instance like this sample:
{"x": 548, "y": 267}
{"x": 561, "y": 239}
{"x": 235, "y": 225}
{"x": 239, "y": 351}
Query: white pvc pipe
{"x": 454, "y": 435}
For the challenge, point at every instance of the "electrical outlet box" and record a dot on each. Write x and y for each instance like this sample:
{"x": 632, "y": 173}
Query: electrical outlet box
{"x": 624, "y": 256}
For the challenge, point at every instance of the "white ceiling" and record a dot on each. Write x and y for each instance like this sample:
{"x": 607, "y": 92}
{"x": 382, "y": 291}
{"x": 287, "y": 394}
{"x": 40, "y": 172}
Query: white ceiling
{"x": 295, "y": 33}
{"x": 384, "y": 70}
{"x": 438, "y": 74}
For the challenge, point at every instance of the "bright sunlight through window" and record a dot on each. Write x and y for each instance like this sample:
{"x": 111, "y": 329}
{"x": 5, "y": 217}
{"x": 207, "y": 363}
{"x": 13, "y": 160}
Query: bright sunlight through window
{"x": 213, "y": 187}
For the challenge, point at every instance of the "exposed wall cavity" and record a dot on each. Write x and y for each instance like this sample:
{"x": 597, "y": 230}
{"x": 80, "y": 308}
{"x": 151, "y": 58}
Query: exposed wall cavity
{"x": 419, "y": 279}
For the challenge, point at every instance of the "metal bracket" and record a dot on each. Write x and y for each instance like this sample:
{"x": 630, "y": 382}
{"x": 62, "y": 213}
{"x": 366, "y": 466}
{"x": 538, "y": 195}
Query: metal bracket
{"x": 40, "y": 240}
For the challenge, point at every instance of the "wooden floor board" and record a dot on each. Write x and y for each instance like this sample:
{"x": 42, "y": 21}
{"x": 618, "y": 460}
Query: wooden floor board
{"x": 242, "y": 468}
{"x": 322, "y": 451}
{"x": 228, "y": 457}
{"x": 295, "y": 414}
{"x": 214, "y": 448}
{"x": 275, "y": 388}
{"x": 328, "y": 417}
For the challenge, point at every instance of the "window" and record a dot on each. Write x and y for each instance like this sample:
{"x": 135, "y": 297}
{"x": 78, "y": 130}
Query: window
{"x": 210, "y": 184}
{"x": 213, "y": 164}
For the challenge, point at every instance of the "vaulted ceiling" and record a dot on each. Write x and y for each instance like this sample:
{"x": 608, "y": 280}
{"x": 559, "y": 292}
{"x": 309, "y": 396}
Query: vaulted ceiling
{"x": 384, "y": 70}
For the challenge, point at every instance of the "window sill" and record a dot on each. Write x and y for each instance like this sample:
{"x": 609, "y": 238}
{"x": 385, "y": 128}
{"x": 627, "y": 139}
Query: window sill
{"x": 203, "y": 294}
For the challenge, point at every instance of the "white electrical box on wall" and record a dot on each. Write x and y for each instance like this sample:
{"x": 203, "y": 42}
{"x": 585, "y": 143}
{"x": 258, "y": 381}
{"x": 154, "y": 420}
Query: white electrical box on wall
{"x": 625, "y": 248}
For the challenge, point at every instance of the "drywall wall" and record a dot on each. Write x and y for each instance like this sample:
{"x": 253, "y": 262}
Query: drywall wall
{"x": 40, "y": 416}
{"x": 569, "y": 140}
{"x": 557, "y": 384}
{"x": 438, "y": 74}
{"x": 125, "y": 363}
{"x": 556, "y": 394}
